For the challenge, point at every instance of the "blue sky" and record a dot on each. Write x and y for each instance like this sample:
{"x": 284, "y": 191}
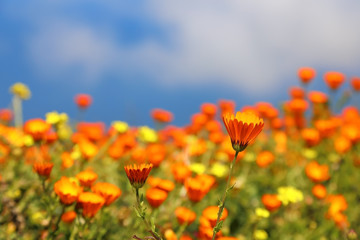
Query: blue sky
{"x": 132, "y": 56}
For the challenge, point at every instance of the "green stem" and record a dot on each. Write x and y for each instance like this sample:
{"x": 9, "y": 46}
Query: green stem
{"x": 142, "y": 215}
{"x": 222, "y": 203}
{"x": 17, "y": 111}
{"x": 52, "y": 234}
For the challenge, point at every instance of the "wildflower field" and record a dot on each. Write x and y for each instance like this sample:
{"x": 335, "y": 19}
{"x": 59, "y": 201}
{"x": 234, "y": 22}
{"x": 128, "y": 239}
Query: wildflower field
{"x": 233, "y": 172}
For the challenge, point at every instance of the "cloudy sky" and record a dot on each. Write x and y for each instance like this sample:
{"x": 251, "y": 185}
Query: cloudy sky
{"x": 136, "y": 55}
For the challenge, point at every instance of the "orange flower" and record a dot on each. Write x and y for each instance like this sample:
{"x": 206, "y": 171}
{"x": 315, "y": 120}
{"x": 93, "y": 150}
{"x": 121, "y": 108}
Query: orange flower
{"x": 165, "y": 185}
{"x": 306, "y": 74}
{"x": 90, "y": 203}
{"x": 355, "y": 83}
{"x": 311, "y": 136}
{"x": 156, "y": 197}
{"x": 243, "y": 129}
{"x": 319, "y": 191}
{"x": 156, "y": 153}
{"x": 86, "y": 178}
{"x": 87, "y": 149}
{"x": 66, "y": 160}
{"x": 43, "y": 168}
{"x": 297, "y": 93}
{"x": 317, "y": 172}
{"x": 93, "y": 131}
{"x": 180, "y": 172}
{"x": 298, "y": 106}
{"x": 226, "y": 106}
{"x": 318, "y": 97}
{"x": 137, "y": 174}
{"x": 67, "y": 190}
{"x": 326, "y": 127}
{"x": 351, "y": 131}
{"x": 108, "y": 191}
{"x": 211, "y": 214}
{"x": 68, "y": 217}
{"x": 334, "y": 79}
{"x": 83, "y": 100}
{"x": 196, "y": 190}
{"x": 161, "y": 115}
{"x": 342, "y": 144}
{"x": 185, "y": 215}
{"x": 338, "y": 204}
{"x": 6, "y": 115}
{"x": 264, "y": 159}
{"x": 209, "y": 110}
{"x": 271, "y": 202}
{"x": 37, "y": 128}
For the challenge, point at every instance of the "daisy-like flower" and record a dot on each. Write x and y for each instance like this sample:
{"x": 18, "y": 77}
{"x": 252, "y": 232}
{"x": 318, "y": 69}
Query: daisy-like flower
{"x": 137, "y": 174}
{"x": 43, "y": 168}
{"x": 243, "y": 128}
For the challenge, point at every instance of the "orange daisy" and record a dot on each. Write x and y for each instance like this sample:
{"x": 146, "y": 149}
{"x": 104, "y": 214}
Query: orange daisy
{"x": 83, "y": 100}
{"x": 43, "y": 168}
{"x": 306, "y": 74}
{"x": 137, "y": 174}
{"x": 90, "y": 203}
{"x": 242, "y": 128}
{"x": 108, "y": 191}
{"x": 67, "y": 190}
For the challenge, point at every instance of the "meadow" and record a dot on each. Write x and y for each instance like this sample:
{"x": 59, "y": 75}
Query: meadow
{"x": 233, "y": 172}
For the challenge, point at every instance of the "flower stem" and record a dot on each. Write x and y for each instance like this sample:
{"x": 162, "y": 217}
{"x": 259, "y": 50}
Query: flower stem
{"x": 17, "y": 111}
{"x": 142, "y": 215}
{"x": 222, "y": 203}
{"x": 52, "y": 234}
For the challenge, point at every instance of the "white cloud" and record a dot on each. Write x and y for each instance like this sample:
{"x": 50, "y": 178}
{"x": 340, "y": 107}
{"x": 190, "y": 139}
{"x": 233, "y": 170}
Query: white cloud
{"x": 246, "y": 44}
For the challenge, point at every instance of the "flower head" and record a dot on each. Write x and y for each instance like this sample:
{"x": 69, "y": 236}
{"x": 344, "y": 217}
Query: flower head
{"x": 37, "y": 128}
{"x": 43, "y": 168}
{"x": 68, "y": 217}
{"x": 20, "y": 90}
{"x": 334, "y": 79}
{"x": 306, "y": 74}
{"x": 67, "y": 190}
{"x": 86, "y": 178}
{"x": 271, "y": 202}
{"x": 161, "y": 115}
{"x": 108, "y": 191}
{"x": 83, "y": 100}
{"x": 185, "y": 215}
{"x": 316, "y": 172}
{"x": 156, "y": 196}
{"x": 90, "y": 203}
{"x": 242, "y": 128}
{"x": 137, "y": 174}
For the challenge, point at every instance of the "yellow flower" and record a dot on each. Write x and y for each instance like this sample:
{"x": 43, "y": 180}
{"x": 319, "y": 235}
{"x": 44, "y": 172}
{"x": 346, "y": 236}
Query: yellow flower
{"x": 120, "y": 127}
{"x": 63, "y": 117}
{"x": 147, "y": 134}
{"x": 52, "y": 118}
{"x": 219, "y": 170}
{"x": 310, "y": 153}
{"x": 21, "y": 90}
{"x": 76, "y": 153}
{"x": 28, "y": 141}
{"x": 289, "y": 195}
{"x": 262, "y": 213}
{"x": 198, "y": 168}
{"x": 260, "y": 234}
{"x": 64, "y": 131}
